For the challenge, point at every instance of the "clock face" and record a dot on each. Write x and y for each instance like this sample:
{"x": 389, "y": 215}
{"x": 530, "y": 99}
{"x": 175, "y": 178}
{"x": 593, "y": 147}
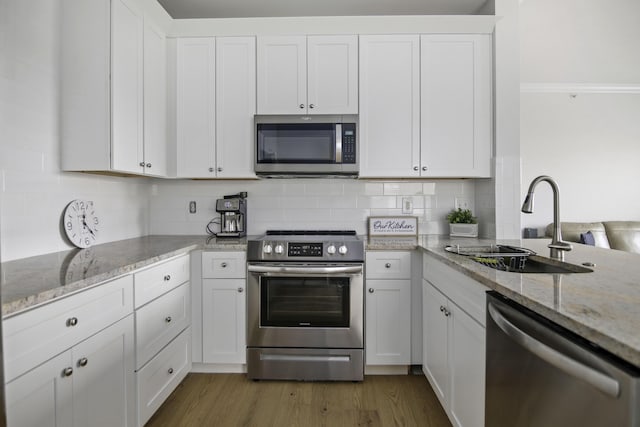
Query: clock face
{"x": 81, "y": 223}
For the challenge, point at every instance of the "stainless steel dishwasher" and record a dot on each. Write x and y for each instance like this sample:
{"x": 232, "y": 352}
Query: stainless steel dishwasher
{"x": 540, "y": 374}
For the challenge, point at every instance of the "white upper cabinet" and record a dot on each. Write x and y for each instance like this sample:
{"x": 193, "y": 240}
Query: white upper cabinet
{"x": 195, "y": 107}
{"x": 235, "y": 106}
{"x": 455, "y": 105}
{"x": 389, "y": 106}
{"x": 104, "y": 92}
{"x": 215, "y": 105}
{"x": 307, "y": 75}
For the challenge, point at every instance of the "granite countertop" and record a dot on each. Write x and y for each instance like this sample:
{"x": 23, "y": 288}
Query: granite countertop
{"x": 29, "y": 282}
{"x": 603, "y": 306}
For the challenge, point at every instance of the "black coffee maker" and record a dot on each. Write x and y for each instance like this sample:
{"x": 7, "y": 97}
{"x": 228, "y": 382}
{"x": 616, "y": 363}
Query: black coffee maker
{"x": 233, "y": 215}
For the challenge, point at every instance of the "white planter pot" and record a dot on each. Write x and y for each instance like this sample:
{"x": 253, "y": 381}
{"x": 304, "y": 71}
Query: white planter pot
{"x": 463, "y": 230}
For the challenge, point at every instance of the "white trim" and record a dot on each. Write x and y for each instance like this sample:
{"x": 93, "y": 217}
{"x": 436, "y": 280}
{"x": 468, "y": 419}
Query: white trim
{"x": 574, "y": 88}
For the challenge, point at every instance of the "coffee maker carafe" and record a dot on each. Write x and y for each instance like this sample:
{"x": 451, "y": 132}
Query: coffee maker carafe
{"x": 233, "y": 215}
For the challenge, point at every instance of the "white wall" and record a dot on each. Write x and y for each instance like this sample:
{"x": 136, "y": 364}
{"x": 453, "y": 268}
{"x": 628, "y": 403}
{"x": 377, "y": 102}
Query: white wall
{"x": 33, "y": 190}
{"x": 580, "y": 107}
{"x": 307, "y": 203}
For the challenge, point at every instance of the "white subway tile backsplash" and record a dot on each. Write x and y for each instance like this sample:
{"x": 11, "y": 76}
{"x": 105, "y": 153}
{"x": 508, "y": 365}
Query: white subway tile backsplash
{"x": 429, "y": 188}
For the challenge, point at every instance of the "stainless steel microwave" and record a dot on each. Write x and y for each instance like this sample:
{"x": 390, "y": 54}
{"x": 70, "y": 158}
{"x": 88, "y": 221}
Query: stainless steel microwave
{"x": 306, "y": 146}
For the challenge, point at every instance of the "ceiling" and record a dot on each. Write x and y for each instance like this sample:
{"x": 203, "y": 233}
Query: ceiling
{"x": 281, "y": 8}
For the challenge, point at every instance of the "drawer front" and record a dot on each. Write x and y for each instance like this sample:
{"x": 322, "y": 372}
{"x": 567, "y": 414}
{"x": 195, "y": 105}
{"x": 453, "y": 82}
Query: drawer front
{"x": 37, "y": 335}
{"x": 224, "y": 265}
{"x": 160, "y": 321}
{"x": 162, "y": 375}
{"x": 388, "y": 265}
{"x": 465, "y": 292}
{"x": 160, "y": 279}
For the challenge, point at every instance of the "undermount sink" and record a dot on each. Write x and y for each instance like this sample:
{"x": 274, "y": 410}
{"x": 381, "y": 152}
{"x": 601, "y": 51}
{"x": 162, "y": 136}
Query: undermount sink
{"x": 516, "y": 260}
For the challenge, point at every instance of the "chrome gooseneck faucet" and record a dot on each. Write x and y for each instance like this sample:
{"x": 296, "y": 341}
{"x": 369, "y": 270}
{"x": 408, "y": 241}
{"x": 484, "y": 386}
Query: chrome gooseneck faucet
{"x": 557, "y": 246}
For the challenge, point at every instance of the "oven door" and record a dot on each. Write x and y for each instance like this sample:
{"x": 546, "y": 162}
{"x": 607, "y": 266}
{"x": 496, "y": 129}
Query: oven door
{"x": 305, "y": 306}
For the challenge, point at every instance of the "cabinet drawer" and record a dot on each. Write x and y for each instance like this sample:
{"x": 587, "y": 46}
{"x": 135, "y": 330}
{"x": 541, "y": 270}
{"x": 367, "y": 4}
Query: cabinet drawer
{"x": 160, "y": 321}
{"x": 465, "y": 292}
{"x": 162, "y": 375}
{"x": 38, "y": 335}
{"x": 224, "y": 265}
{"x": 160, "y": 278}
{"x": 388, "y": 265}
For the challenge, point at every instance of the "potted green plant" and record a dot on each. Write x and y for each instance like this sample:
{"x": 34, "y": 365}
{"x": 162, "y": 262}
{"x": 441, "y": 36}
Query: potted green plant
{"x": 462, "y": 223}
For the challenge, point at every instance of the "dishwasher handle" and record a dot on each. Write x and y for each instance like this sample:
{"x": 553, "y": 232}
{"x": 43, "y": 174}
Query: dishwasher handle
{"x": 600, "y": 381}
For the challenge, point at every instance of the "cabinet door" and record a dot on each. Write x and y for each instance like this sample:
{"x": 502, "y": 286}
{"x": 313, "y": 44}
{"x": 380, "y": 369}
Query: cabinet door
{"x": 235, "y": 106}
{"x": 223, "y": 321}
{"x": 332, "y": 74}
{"x": 467, "y": 367}
{"x": 388, "y": 322}
{"x": 435, "y": 352}
{"x": 282, "y": 75}
{"x": 103, "y": 378}
{"x": 126, "y": 87}
{"x": 195, "y": 109}
{"x": 155, "y": 101}
{"x": 43, "y": 396}
{"x": 390, "y": 106}
{"x": 456, "y": 105}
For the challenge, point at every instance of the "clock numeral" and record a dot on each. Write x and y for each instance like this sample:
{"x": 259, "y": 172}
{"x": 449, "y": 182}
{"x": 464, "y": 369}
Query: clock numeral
{"x": 95, "y": 220}
{"x": 87, "y": 241}
{"x": 69, "y": 225}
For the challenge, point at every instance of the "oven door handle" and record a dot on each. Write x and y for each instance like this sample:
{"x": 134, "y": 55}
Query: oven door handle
{"x": 351, "y": 269}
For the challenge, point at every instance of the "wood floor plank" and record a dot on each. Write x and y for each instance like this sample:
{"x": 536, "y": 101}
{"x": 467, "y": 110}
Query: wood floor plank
{"x": 233, "y": 400}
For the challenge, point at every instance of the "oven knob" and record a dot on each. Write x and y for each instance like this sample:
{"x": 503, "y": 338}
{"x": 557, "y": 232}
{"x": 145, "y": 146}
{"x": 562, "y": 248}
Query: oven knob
{"x": 331, "y": 250}
{"x": 267, "y": 249}
{"x": 342, "y": 249}
{"x": 279, "y": 249}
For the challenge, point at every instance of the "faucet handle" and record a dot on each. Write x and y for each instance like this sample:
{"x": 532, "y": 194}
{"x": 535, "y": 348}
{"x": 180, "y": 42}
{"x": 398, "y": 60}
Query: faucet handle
{"x": 560, "y": 245}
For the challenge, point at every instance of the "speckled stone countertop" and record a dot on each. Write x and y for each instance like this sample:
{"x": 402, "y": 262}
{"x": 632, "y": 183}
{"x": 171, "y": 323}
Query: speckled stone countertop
{"x": 603, "y": 306}
{"x": 29, "y": 282}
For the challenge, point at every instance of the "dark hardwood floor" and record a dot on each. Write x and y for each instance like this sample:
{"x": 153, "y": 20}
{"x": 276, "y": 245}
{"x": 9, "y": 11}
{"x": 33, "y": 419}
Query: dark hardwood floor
{"x": 233, "y": 400}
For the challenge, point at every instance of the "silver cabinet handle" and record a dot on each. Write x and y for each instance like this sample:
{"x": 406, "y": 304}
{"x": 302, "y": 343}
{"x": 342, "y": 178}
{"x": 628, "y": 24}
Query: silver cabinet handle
{"x": 387, "y": 265}
{"x": 600, "y": 381}
{"x": 149, "y": 165}
{"x": 311, "y": 105}
{"x": 442, "y": 309}
{"x": 170, "y": 371}
{"x": 219, "y": 168}
{"x": 415, "y": 168}
{"x": 424, "y": 168}
{"x": 67, "y": 371}
{"x": 301, "y": 105}
{"x": 83, "y": 361}
{"x": 240, "y": 290}
{"x": 142, "y": 164}
{"x": 211, "y": 169}
{"x": 447, "y": 313}
{"x": 167, "y": 277}
{"x": 371, "y": 290}
{"x": 73, "y": 321}
{"x": 168, "y": 319}
{"x": 223, "y": 265}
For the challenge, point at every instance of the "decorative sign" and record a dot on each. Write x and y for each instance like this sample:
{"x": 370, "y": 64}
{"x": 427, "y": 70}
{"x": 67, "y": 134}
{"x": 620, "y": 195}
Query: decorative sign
{"x": 393, "y": 226}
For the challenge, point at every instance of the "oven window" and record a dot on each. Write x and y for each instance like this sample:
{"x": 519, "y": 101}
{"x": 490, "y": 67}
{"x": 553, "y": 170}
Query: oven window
{"x": 304, "y": 301}
{"x": 296, "y": 143}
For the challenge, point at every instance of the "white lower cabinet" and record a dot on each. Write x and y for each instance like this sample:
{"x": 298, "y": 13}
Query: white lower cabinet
{"x": 90, "y": 384}
{"x": 454, "y": 343}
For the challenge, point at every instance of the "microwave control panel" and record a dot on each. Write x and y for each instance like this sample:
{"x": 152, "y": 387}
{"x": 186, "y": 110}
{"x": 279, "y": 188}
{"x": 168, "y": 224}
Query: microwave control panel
{"x": 348, "y": 143}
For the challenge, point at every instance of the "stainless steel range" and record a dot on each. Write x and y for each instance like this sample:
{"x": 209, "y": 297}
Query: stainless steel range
{"x": 305, "y": 306}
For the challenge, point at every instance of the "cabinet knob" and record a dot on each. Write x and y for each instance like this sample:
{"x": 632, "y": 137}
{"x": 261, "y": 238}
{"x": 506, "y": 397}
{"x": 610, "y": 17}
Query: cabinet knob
{"x": 83, "y": 361}
{"x": 149, "y": 165}
{"x": 223, "y": 265}
{"x": 387, "y": 265}
{"x": 168, "y": 319}
{"x": 301, "y": 106}
{"x": 441, "y": 309}
{"x": 211, "y": 169}
{"x": 73, "y": 321}
{"x": 219, "y": 169}
{"x": 447, "y": 313}
{"x": 170, "y": 371}
{"x": 67, "y": 371}
{"x": 415, "y": 168}
{"x": 240, "y": 290}
{"x": 142, "y": 164}
{"x": 424, "y": 168}
{"x": 167, "y": 277}
{"x": 370, "y": 290}
{"x": 311, "y": 105}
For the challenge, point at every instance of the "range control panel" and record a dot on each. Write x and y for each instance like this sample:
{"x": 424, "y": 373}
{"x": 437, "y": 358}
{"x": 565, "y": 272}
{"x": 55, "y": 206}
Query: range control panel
{"x": 305, "y": 249}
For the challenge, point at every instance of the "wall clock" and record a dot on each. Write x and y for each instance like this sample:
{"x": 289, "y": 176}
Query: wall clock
{"x": 81, "y": 223}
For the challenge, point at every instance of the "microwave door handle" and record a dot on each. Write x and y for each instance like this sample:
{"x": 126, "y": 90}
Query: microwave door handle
{"x": 338, "y": 142}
